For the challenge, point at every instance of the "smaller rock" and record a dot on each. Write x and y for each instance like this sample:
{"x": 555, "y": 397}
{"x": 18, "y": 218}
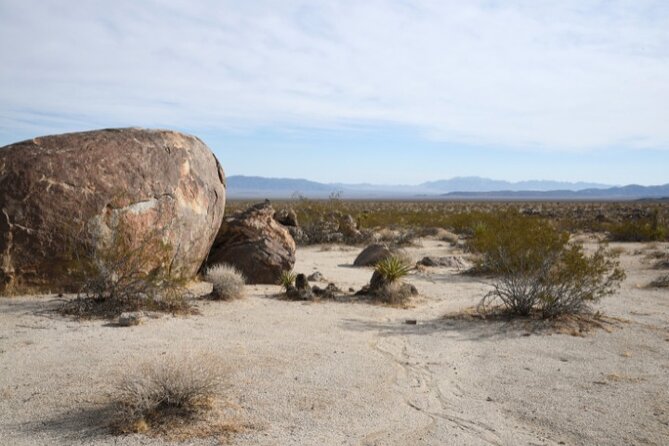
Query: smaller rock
{"x": 131, "y": 318}
{"x": 448, "y": 262}
{"x": 286, "y": 217}
{"x": 329, "y": 292}
{"x": 298, "y": 235}
{"x": 349, "y": 228}
{"x": 372, "y": 255}
{"x": 316, "y": 277}
{"x": 301, "y": 290}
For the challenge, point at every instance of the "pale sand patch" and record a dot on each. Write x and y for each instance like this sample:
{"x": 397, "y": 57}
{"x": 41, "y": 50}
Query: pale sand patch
{"x": 355, "y": 374}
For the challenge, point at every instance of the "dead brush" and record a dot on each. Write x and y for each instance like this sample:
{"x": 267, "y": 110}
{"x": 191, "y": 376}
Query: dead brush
{"x": 171, "y": 392}
{"x": 128, "y": 273}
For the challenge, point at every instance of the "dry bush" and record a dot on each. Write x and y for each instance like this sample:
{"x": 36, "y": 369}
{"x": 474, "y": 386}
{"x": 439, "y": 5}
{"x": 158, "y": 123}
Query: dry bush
{"x": 171, "y": 391}
{"x": 228, "y": 283}
{"x": 126, "y": 274}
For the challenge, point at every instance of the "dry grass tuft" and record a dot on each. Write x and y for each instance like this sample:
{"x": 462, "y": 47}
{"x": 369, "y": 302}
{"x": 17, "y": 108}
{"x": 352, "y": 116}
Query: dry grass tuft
{"x": 174, "y": 396}
{"x": 228, "y": 282}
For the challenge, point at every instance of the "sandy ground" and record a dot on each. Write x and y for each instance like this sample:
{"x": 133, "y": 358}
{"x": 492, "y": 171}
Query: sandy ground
{"x": 333, "y": 373}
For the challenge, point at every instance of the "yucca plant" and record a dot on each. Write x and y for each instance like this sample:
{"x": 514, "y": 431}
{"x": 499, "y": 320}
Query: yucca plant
{"x": 287, "y": 279}
{"x": 392, "y": 269}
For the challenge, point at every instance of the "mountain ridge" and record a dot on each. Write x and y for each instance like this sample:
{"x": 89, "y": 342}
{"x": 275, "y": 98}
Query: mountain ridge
{"x": 242, "y": 186}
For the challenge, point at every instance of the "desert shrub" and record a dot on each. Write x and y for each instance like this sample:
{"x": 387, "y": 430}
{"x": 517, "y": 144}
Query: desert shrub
{"x": 228, "y": 283}
{"x": 466, "y": 223}
{"x": 172, "y": 390}
{"x": 538, "y": 269}
{"x": 393, "y": 268}
{"x": 125, "y": 274}
{"x": 509, "y": 241}
{"x": 287, "y": 279}
{"x": 644, "y": 229}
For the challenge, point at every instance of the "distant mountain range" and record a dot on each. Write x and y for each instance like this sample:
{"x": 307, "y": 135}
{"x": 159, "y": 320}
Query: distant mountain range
{"x": 459, "y": 188}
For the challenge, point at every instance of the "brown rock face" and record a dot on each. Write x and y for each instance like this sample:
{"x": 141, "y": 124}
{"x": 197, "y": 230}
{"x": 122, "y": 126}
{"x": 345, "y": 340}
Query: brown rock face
{"x": 256, "y": 245}
{"x": 57, "y": 191}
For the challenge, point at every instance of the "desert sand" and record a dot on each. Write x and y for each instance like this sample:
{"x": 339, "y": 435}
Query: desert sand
{"x": 335, "y": 373}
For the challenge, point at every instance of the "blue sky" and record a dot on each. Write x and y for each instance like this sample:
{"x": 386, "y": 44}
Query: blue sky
{"x": 383, "y": 91}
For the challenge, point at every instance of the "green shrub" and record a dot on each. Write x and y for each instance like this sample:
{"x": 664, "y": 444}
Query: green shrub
{"x": 287, "y": 280}
{"x": 509, "y": 241}
{"x": 392, "y": 268}
{"x": 646, "y": 229}
{"x": 538, "y": 269}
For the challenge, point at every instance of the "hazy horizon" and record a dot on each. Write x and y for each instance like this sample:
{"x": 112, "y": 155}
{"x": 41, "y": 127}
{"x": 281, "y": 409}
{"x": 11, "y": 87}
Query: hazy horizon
{"x": 381, "y": 92}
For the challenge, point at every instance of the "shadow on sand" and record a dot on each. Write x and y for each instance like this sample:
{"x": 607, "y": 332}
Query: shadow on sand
{"x": 468, "y": 326}
{"x": 80, "y": 426}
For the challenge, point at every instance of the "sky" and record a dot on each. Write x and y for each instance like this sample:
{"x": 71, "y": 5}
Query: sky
{"x": 379, "y": 91}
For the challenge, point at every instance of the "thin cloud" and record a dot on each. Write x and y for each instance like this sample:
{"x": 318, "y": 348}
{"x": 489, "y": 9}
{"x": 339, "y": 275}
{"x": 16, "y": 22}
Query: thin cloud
{"x": 568, "y": 75}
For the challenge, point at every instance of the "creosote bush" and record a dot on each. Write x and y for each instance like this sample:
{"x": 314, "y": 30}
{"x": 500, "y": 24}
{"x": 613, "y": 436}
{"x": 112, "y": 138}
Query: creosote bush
{"x": 537, "y": 268}
{"x": 166, "y": 392}
{"x": 126, "y": 274}
{"x": 645, "y": 229}
{"x": 228, "y": 283}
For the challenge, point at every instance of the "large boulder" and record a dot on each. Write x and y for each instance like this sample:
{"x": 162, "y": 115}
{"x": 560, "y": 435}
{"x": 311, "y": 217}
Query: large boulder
{"x": 255, "y": 244}
{"x": 60, "y": 192}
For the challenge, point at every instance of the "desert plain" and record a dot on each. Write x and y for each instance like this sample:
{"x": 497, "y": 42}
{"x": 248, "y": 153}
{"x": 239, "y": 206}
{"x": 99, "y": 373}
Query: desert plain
{"x": 351, "y": 372}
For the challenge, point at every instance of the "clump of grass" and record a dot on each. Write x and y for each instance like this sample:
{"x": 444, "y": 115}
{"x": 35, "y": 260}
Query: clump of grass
{"x": 393, "y": 268}
{"x": 173, "y": 391}
{"x": 287, "y": 280}
{"x": 228, "y": 283}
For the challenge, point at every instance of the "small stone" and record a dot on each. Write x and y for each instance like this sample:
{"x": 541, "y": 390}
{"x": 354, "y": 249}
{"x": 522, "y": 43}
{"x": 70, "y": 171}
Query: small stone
{"x": 316, "y": 277}
{"x": 131, "y": 318}
{"x": 372, "y": 255}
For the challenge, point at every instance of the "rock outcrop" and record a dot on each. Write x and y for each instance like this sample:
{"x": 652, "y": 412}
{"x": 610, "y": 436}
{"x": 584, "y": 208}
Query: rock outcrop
{"x": 254, "y": 243}
{"x": 58, "y": 193}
